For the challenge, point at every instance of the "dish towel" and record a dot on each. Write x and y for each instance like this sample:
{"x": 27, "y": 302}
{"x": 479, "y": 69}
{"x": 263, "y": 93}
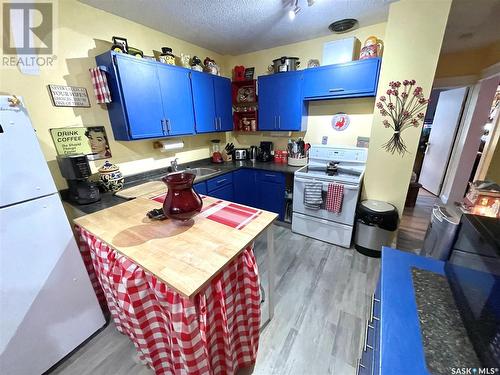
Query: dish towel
{"x": 100, "y": 83}
{"x": 334, "y": 198}
{"x": 313, "y": 198}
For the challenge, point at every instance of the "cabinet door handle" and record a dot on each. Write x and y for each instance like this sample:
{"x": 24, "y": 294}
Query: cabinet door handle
{"x": 336, "y": 90}
{"x": 269, "y": 175}
{"x": 220, "y": 123}
{"x": 279, "y": 122}
{"x": 215, "y": 122}
{"x": 168, "y": 125}
{"x": 163, "y": 126}
{"x": 221, "y": 181}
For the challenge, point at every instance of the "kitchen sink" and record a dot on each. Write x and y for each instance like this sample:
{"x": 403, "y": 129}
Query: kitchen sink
{"x": 202, "y": 172}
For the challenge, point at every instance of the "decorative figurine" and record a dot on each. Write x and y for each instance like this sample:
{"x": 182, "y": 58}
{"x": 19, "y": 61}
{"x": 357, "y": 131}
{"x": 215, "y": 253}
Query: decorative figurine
{"x": 167, "y": 57}
{"x": 239, "y": 73}
{"x": 185, "y": 58}
{"x": 196, "y": 64}
{"x": 210, "y": 66}
{"x": 120, "y": 45}
{"x": 373, "y": 48}
{"x": 313, "y": 63}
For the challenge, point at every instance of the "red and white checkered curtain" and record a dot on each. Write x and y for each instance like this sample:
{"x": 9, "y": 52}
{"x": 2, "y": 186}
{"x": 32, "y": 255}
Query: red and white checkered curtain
{"x": 215, "y": 333}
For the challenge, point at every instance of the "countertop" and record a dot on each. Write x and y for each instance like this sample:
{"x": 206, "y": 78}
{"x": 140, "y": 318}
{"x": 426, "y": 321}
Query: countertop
{"x": 110, "y": 200}
{"x": 402, "y": 350}
{"x": 185, "y": 256}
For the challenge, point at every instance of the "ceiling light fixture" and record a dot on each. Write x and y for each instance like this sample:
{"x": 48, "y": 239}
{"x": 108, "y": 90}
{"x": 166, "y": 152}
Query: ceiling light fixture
{"x": 293, "y": 12}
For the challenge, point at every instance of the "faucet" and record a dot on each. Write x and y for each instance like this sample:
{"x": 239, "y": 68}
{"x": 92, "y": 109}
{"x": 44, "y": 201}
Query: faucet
{"x": 174, "y": 165}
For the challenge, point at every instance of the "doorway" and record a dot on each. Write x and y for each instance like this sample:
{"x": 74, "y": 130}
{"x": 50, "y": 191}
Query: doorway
{"x": 441, "y": 133}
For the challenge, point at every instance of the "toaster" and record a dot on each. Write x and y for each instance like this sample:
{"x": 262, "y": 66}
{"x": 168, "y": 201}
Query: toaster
{"x": 240, "y": 154}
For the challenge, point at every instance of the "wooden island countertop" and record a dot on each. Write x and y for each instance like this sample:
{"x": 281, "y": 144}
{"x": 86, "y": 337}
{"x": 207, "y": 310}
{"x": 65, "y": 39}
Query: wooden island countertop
{"x": 185, "y": 256}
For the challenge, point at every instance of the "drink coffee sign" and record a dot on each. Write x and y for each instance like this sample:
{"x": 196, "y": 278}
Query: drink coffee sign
{"x": 91, "y": 141}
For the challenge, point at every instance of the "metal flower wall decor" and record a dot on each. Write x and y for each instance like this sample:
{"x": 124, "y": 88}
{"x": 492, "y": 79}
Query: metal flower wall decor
{"x": 404, "y": 106}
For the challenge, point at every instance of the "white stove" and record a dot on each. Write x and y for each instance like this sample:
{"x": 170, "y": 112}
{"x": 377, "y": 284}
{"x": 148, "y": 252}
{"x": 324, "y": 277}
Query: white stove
{"x": 329, "y": 164}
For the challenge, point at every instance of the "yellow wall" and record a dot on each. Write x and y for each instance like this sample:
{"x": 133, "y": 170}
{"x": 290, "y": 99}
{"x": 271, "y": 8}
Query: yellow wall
{"x": 412, "y": 44}
{"x": 468, "y": 62}
{"x": 83, "y": 32}
{"x": 320, "y": 112}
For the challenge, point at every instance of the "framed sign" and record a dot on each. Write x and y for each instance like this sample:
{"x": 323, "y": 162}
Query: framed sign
{"x": 69, "y": 96}
{"x": 91, "y": 141}
{"x": 249, "y": 73}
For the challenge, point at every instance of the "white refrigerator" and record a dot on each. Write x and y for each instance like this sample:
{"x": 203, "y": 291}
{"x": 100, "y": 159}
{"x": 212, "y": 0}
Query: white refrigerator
{"x": 47, "y": 304}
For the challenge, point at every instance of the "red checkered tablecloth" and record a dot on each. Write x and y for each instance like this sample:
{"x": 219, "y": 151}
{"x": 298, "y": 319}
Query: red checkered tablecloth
{"x": 215, "y": 333}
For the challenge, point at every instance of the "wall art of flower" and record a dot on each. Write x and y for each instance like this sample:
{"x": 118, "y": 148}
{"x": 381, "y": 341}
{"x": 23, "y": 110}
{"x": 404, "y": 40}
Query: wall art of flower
{"x": 404, "y": 107}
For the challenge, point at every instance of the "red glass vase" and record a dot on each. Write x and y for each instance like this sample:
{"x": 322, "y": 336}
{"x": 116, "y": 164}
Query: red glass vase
{"x": 181, "y": 202}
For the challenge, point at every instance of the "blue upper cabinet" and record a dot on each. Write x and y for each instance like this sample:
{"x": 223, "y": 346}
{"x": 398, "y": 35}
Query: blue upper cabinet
{"x": 175, "y": 88}
{"x": 149, "y": 99}
{"x": 223, "y": 105}
{"x": 212, "y": 102}
{"x": 204, "y": 102}
{"x": 353, "y": 79}
{"x": 280, "y": 102}
{"x": 136, "y": 110}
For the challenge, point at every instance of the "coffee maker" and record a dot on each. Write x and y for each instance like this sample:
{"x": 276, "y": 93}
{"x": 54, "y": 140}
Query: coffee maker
{"x": 75, "y": 169}
{"x": 266, "y": 151}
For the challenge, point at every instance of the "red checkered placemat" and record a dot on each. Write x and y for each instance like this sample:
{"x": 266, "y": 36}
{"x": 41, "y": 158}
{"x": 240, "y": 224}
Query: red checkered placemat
{"x": 231, "y": 214}
{"x": 215, "y": 333}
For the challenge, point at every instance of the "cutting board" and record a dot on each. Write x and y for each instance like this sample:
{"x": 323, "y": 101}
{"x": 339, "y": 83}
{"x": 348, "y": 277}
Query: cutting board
{"x": 143, "y": 189}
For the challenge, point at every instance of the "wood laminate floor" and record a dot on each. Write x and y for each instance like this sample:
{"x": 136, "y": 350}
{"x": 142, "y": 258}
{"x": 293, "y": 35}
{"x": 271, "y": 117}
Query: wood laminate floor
{"x": 322, "y": 300}
{"x": 415, "y": 221}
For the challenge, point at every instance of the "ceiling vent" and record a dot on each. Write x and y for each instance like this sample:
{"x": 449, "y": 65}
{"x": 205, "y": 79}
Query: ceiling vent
{"x": 343, "y": 26}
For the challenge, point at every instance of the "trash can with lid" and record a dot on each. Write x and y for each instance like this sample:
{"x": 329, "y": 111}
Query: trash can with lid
{"x": 441, "y": 232}
{"x": 375, "y": 223}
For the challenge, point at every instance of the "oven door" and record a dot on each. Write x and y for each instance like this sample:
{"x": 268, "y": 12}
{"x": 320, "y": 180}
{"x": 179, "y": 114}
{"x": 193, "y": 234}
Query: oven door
{"x": 346, "y": 215}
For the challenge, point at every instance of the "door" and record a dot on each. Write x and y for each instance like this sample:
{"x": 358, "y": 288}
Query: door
{"x": 225, "y": 192}
{"x": 245, "y": 187}
{"x": 48, "y": 304}
{"x": 271, "y": 197}
{"x": 24, "y": 173}
{"x": 290, "y": 102}
{"x": 223, "y": 103}
{"x": 268, "y": 105}
{"x": 204, "y": 102}
{"x": 357, "y": 78}
{"x": 141, "y": 97}
{"x": 349, "y": 202}
{"x": 444, "y": 128}
{"x": 177, "y": 99}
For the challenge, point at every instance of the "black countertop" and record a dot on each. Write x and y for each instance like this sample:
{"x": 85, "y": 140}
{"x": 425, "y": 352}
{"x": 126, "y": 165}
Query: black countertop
{"x": 488, "y": 228}
{"x": 445, "y": 340}
{"x": 109, "y": 199}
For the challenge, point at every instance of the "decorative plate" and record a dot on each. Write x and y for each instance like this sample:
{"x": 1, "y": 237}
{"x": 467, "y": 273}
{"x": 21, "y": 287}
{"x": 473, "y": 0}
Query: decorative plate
{"x": 340, "y": 121}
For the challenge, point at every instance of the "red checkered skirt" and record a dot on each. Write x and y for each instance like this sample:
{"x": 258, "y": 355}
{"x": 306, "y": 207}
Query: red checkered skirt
{"x": 217, "y": 332}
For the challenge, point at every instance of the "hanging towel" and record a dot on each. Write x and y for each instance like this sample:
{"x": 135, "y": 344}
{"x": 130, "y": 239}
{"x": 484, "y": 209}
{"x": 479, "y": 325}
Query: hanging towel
{"x": 334, "y": 198}
{"x": 100, "y": 83}
{"x": 312, "y": 195}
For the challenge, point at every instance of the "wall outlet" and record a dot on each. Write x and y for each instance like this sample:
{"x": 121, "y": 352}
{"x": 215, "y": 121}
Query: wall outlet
{"x": 324, "y": 140}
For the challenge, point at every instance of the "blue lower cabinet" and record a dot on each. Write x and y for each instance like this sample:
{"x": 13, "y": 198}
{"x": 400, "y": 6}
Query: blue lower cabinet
{"x": 245, "y": 191}
{"x": 220, "y": 181}
{"x": 224, "y": 192}
{"x": 200, "y": 188}
{"x": 271, "y": 192}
